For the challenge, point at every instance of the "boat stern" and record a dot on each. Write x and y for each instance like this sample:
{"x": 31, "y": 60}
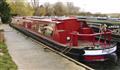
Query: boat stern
{"x": 100, "y": 54}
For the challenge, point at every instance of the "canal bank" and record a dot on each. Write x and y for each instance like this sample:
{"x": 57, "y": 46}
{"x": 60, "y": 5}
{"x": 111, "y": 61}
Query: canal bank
{"x": 6, "y": 62}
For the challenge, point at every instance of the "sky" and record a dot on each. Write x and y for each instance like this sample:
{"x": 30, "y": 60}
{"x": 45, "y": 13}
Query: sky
{"x": 94, "y": 6}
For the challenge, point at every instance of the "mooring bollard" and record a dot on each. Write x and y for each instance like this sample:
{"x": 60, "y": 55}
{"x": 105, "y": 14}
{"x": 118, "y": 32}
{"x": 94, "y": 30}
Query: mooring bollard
{"x": 2, "y": 35}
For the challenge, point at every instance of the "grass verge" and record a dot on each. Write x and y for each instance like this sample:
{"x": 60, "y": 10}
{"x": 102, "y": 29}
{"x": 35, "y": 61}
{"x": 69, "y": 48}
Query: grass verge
{"x": 6, "y": 62}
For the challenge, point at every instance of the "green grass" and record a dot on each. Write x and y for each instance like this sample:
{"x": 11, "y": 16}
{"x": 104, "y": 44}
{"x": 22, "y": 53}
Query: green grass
{"x": 6, "y": 62}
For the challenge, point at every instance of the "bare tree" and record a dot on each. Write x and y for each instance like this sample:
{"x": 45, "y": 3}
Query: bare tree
{"x": 40, "y": 11}
{"x": 48, "y": 8}
{"x": 35, "y": 5}
{"x": 71, "y": 9}
{"x": 59, "y": 9}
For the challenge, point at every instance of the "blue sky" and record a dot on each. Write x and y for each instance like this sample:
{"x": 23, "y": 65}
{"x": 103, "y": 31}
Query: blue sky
{"x": 94, "y": 6}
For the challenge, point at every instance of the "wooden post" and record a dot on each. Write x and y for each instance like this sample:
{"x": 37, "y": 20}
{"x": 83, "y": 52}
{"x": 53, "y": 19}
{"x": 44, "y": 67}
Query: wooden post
{"x": 2, "y": 35}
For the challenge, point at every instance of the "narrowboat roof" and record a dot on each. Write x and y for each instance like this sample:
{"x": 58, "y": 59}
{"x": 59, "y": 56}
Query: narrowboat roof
{"x": 49, "y": 20}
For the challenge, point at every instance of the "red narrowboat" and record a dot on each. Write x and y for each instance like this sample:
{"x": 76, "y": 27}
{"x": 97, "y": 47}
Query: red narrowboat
{"x": 70, "y": 36}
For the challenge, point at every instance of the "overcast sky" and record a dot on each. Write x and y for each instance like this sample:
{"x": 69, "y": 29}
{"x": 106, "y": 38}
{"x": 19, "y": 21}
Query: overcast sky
{"x": 94, "y": 6}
